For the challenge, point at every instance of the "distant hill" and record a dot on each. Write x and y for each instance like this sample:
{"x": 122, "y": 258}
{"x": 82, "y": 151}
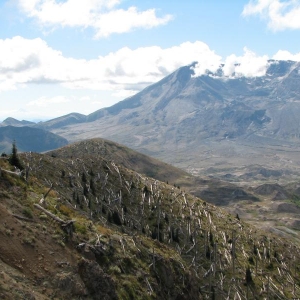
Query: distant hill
{"x": 212, "y": 190}
{"x": 16, "y": 123}
{"x": 60, "y": 122}
{"x": 129, "y": 158}
{"x": 255, "y": 203}
{"x": 29, "y": 139}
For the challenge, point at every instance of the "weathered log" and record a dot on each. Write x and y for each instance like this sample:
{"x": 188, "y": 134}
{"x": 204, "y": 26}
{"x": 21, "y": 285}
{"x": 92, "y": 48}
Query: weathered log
{"x": 149, "y": 286}
{"x": 67, "y": 226}
{"x": 17, "y": 173}
{"x": 47, "y": 212}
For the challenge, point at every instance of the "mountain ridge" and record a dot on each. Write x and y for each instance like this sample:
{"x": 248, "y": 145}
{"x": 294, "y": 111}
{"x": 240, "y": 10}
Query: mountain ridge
{"x": 14, "y": 122}
{"x": 204, "y": 122}
{"x": 219, "y": 121}
{"x": 28, "y": 138}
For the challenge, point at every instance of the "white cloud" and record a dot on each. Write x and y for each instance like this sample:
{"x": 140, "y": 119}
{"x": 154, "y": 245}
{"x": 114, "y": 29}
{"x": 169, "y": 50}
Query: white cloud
{"x": 23, "y": 61}
{"x": 286, "y": 55}
{"x": 280, "y": 15}
{"x": 207, "y": 60}
{"x": 121, "y": 21}
{"x": 26, "y": 62}
{"x": 248, "y": 65}
{"x": 102, "y": 15}
{"x": 46, "y": 102}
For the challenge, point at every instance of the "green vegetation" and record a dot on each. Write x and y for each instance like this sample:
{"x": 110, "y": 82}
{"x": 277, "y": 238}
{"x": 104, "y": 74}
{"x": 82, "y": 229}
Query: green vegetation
{"x": 14, "y": 158}
{"x": 27, "y": 212}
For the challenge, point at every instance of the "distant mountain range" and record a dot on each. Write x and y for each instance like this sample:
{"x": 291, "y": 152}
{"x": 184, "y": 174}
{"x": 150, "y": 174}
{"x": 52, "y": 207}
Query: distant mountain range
{"x": 209, "y": 124}
{"x": 16, "y": 123}
{"x": 29, "y": 139}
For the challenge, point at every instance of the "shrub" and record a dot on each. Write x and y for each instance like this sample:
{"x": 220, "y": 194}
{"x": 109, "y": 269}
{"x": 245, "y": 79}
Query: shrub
{"x": 27, "y": 212}
{"x": 65, "y": 210}
{"x": 114, "y": 270}
{"x": 80, "y": 228}
{"x": 29, "y": 241}
{"x": 8, "y": 232}
{"x": 43, "y": 216}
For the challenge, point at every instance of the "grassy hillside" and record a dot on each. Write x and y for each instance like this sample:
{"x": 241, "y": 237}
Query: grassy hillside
{"x": 85, "y": 227}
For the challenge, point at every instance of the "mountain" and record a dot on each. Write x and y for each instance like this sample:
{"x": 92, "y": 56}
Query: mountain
{"x": 207, "y": 123}
{"x": 29, "y": 139}
{"x": 73, "y": 118}
{"x": 16, "y": 123}
{"x": 85, "y": 227}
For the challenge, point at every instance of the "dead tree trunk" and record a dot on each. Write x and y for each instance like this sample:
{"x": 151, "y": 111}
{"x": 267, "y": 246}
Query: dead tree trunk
{"x": 47, "y": 193}
{"x": 67, "y": 226}
{"x": 47, "y": 212}
{"x": 233, "y": 253}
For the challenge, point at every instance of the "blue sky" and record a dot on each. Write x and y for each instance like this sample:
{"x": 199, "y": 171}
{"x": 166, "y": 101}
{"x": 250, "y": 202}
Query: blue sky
{"x": 63, "y": 56}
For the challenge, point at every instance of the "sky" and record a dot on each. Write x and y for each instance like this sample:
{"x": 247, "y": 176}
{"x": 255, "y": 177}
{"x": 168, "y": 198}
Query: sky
{"x": 64, "y": 56}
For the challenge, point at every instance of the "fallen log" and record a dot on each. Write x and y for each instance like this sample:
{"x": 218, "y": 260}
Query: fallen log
{"x": 48, "y": 213}
{"x": 66, "y": 226}
{"x": 17, "y": 173}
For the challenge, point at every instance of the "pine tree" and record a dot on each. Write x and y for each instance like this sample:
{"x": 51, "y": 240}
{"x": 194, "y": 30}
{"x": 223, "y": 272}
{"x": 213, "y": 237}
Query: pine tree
{"x": 248, "y": 276}
{"x": 14, "y": 159}
{"x": 83, "y": 177}
{"x": 92, "y": 187}
{"x": 85, "y": 190}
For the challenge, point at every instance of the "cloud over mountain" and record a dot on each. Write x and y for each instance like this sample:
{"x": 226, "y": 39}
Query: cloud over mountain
{"x": 248, "y": 65}
{"x": 27, "y": 62}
